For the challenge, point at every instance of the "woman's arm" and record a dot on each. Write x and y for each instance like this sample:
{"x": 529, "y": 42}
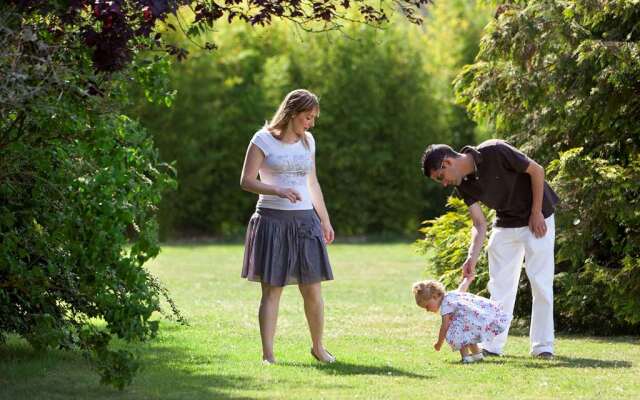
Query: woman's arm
{"x": 318, "y": 202}
{"x": 249, "y": 177}
{"x": 444, "y": 327}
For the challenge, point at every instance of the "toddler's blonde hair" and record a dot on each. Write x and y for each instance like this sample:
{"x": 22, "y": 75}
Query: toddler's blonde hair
{"x": 427, "y": 290}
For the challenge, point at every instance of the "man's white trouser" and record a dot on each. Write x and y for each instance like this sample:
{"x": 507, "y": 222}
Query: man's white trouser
{"x": 507, "y": 248}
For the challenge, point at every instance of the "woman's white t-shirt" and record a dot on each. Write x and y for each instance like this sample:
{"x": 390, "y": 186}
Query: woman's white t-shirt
{"x": 285, "y": 165}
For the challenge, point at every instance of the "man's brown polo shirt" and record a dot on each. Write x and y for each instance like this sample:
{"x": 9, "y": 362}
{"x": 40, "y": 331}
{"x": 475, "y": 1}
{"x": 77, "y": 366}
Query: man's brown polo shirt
{"x": 501, "y": 183}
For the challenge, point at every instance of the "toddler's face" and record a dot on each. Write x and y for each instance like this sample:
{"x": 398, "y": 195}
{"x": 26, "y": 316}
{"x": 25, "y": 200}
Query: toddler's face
{"x": 433, "y": 304}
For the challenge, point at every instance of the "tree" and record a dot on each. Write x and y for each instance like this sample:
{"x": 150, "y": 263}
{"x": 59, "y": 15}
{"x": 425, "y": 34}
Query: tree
{"x": 561, "y": 80}
{"x": 79, "y": 184}
{"x": 113, "y": 31}
{"x": 454, "y": 29}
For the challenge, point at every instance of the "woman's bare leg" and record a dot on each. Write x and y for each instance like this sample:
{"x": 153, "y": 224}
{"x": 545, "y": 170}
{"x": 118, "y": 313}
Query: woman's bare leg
{"x": 314, "y": 310}
{"x": 268, "y": 317}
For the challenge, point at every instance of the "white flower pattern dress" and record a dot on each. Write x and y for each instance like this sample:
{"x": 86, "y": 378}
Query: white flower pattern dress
{"x": 474, "y": 319}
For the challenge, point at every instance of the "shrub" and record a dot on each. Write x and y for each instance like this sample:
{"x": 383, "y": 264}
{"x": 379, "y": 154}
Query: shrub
{"x": 79, "y": 188}
{"x": 559, "y": 80}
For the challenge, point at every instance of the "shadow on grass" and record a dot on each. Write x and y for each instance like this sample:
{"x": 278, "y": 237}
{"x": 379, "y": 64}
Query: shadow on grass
{"x": 576, "y": 362}
{"x": 557, "y": 362}
{"x": 520, "y": 328}
{"x": 166, "y": 373}
{"x": 345, "y": 368}
{"x": 633, "y": 340}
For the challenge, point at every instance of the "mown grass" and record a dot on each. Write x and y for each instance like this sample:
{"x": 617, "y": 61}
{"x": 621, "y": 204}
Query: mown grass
{"x": 383, "y": 343}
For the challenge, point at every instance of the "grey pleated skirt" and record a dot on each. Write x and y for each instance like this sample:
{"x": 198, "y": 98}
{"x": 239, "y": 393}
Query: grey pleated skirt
{"x": 285, "y": 247}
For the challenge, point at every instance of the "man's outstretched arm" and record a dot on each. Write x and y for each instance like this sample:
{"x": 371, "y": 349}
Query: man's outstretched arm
{"x": 478, "y": 233}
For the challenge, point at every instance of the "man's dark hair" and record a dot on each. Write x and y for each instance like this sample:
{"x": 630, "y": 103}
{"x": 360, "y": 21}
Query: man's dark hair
{"x": 433, "y": 156}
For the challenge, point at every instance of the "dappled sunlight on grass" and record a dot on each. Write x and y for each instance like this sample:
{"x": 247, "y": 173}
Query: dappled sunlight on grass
{"x": 383, "y": 343}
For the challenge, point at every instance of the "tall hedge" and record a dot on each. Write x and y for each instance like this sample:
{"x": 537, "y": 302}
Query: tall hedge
{"x": 453, "y": 31}
{"x": 377, "y": 114}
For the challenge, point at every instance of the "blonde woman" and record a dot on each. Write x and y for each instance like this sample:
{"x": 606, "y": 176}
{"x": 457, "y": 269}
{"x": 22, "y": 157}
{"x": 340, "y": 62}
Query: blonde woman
{"x": 288, "y": 233}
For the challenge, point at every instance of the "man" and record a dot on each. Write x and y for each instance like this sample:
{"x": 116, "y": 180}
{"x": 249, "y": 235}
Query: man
{"x": 506, "y": 180}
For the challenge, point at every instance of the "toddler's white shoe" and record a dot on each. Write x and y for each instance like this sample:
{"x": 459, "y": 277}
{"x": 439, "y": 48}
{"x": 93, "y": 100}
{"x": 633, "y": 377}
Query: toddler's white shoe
{"x": 468, "y": 359}
{"x": 478, "y": 356}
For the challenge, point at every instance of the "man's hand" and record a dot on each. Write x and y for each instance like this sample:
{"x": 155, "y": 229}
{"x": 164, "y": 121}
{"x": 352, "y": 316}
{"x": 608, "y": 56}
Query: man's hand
{"x": 469, "y": 268}
{"x": 537, "y": 225}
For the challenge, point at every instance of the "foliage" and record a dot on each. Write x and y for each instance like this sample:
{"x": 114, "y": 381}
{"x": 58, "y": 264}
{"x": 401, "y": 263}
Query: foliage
{"x": 558, "y": 75}
{"x": 562, "y": 77}
{"x": 79, "y": 187}
{"x": 80, "y": 181}
{"x": 376, "y": 117}
{"x": 446, "y": 244}
{"x": 114, "y": 30}
{"x": 597, "y": 257}
{"x": 453, "y": 31}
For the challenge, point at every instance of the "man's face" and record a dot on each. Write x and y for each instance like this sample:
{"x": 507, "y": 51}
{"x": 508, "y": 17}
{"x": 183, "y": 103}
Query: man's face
{"x": 447, "y": 174}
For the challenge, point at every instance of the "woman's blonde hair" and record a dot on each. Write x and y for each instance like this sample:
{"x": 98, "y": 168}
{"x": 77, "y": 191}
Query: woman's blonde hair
{"x": 295, "y": 102}
{"x": 427, "y": 290}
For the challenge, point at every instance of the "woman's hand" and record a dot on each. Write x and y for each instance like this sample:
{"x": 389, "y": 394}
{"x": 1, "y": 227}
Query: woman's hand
{"x": 288, "y": 193}
{"x": 327, "y": 232}
{"x": 437, "y": 346}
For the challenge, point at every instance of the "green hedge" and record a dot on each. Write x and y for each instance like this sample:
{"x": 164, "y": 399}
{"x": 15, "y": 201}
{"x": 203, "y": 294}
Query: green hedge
{"x": 379, "y": 109}
{"x": 598, "y": 269}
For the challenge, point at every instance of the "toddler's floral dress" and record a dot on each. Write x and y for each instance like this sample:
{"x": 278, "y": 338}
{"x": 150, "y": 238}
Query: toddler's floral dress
{"x": 474, "y": 319}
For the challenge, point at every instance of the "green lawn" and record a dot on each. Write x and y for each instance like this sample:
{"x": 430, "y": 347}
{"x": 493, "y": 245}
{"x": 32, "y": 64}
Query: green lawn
{"x": 383, "y": 343}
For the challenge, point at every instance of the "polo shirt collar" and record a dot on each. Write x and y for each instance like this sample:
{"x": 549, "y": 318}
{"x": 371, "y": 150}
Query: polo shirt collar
{"x": 477, "y": 157}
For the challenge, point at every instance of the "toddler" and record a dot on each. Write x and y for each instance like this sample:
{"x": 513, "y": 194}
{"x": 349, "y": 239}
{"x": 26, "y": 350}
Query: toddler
{"x": 467, "y": 319}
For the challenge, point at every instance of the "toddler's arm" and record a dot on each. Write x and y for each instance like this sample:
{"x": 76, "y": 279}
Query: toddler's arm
{"x": 444, "y": 327}
{"x": 464, "y": 285}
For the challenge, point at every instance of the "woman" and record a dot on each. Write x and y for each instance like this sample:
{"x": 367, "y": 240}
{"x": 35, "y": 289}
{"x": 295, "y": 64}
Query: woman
{"x": 287, "y": 235}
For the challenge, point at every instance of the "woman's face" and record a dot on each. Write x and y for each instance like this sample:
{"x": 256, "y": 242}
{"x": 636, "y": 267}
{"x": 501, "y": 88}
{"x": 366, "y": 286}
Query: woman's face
{"x": 304, "y": 121}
